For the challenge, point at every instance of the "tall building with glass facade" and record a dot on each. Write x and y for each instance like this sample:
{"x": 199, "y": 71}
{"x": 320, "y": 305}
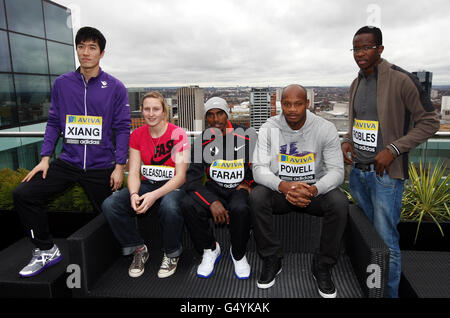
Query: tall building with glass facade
{"x": 36, "y": 46}
{"x": 426, "y": 80}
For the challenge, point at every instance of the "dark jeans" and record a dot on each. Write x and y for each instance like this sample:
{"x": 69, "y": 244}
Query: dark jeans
{"x": 198, "y": 219}
{"x": 30, "y": 197}
{"x": 332, "y": 206}
{"x": 121, "y": 218}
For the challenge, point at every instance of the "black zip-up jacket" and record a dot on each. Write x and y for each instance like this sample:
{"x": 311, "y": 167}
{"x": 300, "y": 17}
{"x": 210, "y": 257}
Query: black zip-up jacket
{"x": 224, "y": 159}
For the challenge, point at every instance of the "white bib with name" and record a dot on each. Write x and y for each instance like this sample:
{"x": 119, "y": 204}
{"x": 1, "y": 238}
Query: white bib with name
{"x": 84, "y": 130}
{"x": 227, "y": 173}
{"x": 365, "y": 135}
{"x": 157, "y": 173}
{"x": 296, "y": 168}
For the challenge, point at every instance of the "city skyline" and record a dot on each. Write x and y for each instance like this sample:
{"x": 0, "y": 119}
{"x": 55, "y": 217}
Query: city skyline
{"x": 260, "y": 43}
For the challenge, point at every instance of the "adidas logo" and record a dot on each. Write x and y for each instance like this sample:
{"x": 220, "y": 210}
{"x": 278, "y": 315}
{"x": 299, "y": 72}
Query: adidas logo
{"x": 104, "y": 84}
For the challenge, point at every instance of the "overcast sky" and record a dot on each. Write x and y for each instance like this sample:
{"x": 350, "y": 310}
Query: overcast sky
{"x": 261, "y": 42}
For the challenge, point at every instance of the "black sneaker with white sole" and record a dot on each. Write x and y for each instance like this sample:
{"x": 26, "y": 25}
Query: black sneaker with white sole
{"x": 271, "y": 268}
{"x": 322, "y": 275}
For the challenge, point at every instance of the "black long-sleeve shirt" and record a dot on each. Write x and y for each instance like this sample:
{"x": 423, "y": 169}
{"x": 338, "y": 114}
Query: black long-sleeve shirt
{"x": 225, "y": 162}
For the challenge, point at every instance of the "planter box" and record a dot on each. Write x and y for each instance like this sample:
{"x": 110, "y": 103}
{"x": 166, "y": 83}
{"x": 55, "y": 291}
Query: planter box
{"x": 62, "y": 224}
{"x": 10, "y": 228}
{"x": 429, "y": 238}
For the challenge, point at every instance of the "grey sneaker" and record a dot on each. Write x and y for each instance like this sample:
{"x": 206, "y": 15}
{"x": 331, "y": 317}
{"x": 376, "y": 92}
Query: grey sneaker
{"x": 168, "y": 266}
{"x": 40, "y": 261}
{"x": 140, "y": 256}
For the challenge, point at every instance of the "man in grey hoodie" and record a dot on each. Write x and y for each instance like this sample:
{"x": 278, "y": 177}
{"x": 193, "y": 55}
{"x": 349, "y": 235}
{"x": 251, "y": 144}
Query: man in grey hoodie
{"x": 298, "y": 166}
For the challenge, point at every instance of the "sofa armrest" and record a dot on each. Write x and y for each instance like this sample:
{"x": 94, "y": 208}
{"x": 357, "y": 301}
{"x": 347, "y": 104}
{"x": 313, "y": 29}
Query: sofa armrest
{"x": 368, "y": 253}
{"x": 93, "y": 248}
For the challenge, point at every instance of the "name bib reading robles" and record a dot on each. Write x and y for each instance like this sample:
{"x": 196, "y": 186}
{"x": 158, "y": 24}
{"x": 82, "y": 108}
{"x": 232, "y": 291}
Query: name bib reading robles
{"x": 365, "y": 135}
{"x": 84, "y": 130}
{"x": 157, "y": 173}
{"x": 227, "y": 173}
{"x": 295, "y": 168}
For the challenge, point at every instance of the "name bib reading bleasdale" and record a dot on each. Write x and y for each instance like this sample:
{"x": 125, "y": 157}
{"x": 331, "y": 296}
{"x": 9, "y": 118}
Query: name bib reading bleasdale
{"x": 157, "y": 173}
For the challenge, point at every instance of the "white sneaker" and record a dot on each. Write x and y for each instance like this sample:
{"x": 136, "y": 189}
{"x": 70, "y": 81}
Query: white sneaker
{"x": 241, "y": 267}
{"x": 210, "y": 258}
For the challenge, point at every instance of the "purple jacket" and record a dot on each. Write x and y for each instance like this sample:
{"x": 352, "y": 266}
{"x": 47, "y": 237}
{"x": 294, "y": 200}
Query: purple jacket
{"x": 103, "y": 96}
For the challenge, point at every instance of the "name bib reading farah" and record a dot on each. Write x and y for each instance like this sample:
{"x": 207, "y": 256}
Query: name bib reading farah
{"x": 84, "y": 130}
{"x": 157, "y": 173}
{"x": 365, "y": 135}
{"x": 227, "y": 173}
{"x": 294, "y": 168}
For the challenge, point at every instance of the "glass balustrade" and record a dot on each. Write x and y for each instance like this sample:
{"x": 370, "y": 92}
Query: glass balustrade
{"x": 21, "y": 149}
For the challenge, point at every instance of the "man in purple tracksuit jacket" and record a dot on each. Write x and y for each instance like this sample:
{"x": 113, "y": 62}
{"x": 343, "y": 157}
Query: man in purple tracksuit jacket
{"x": 90, "y": 108}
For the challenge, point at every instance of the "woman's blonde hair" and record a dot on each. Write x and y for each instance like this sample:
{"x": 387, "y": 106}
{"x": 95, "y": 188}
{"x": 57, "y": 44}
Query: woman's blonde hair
{"x": 157, "y": 95}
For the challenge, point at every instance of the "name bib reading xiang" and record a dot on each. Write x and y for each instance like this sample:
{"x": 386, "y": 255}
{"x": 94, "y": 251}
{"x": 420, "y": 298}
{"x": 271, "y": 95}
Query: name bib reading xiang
{"x": 296, "y": 168}
{"x": 85, "y": 130}
{"x": 157, "y": 173}
{"x": 227, "y": 173}
{"x": 365, "y": 135}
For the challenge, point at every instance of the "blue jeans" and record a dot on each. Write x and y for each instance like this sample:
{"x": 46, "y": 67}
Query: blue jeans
{"x": 121, "y": 218}
{"x": 381, "y": 200}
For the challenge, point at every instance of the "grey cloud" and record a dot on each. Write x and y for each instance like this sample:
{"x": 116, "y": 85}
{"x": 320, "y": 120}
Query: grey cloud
{"x": 231, "y": 42}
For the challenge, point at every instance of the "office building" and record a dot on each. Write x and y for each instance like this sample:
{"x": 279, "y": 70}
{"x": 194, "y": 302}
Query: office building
{"x": 36, "y": 46}
{"x": 425, "y": 79}
{"x": 135, "y": 95}
{"x": 260, "y": 108}
{"x": 273, "y": 103}
{"x": 191, "y": 108}
{"x": 240, "y": 115}
{"x": 310, "y": 96}
{"x": 445, "y": 108}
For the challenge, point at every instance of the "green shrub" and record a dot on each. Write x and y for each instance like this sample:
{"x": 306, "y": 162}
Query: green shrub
{"x": 9, "y": 180}
{"x": 427, "y": 195}
{"x": 73, "y": 199}
{"x": 345, "y": 187}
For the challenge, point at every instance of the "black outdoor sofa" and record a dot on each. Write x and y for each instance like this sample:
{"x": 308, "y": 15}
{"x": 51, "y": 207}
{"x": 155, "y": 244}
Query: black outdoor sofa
{"x": 361, "y": 270}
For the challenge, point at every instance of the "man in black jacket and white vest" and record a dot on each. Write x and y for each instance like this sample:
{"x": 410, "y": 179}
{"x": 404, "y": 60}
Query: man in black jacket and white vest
{"x": 223, "y": 153}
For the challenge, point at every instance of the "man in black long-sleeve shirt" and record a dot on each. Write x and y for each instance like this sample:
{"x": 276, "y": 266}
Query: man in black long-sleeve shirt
{"x": 223, "y": 152}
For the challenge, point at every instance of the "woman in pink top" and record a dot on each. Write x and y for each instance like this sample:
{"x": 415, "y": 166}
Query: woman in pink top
{"x": 159, "y": 154}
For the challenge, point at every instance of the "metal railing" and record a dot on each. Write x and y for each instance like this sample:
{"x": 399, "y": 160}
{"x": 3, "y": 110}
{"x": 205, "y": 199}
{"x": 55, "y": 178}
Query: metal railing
{"x": 438, "y": 135}
{"x": 435, "y": 149}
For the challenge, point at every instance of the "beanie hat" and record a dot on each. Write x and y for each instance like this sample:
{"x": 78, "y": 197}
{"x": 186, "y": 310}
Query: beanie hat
{"x": 217, "y": 102}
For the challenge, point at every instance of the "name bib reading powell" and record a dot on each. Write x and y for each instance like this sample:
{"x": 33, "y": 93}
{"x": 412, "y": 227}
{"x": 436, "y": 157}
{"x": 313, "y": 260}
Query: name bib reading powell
{"x": 83, "y": 130}
{"x": 296, "y": 168}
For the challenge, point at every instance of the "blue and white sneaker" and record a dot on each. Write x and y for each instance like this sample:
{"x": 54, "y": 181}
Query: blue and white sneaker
{"x": 241, "y": 267}
{"x": 210, "y": 258}
{"x": 41, "y": 260}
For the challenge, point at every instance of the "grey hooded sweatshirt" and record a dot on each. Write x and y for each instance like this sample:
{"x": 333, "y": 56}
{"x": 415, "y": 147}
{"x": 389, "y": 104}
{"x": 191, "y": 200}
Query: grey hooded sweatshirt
{"x": 311, "y": 154}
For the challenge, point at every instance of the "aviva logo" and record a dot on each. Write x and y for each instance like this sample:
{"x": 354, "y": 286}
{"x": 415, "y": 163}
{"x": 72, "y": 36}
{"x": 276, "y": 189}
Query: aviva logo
{"x": 296, "y": 160}
{"x": 83, "y": 120}
{"x": 228, "y": 164}
{"x": 366, "y": 124}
